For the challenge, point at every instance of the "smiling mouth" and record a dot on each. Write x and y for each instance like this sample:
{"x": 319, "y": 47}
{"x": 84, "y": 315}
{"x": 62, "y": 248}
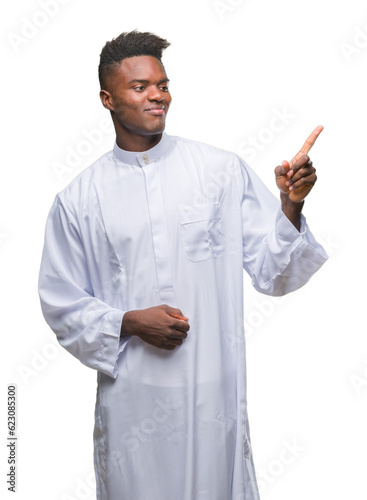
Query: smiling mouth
{"x": 156, "y": 110}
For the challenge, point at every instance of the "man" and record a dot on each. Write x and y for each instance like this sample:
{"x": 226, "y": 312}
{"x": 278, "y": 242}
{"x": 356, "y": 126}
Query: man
{"x": 141, "y": 279}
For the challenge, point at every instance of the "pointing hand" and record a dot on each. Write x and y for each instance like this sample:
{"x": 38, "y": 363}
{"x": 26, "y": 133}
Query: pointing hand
{"x": 297, "y": 177}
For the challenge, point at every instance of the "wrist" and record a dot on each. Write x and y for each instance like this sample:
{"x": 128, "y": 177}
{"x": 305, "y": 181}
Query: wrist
{"x": 126, "y": 324}
{"x": 288, "y": 203}
{"x": 292, "y": 209}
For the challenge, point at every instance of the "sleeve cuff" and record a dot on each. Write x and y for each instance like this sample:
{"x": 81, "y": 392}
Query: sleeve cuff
{"x": 286, "y": 230}
{"x": 112, "y": 345}
{"x": 289, "y": 233}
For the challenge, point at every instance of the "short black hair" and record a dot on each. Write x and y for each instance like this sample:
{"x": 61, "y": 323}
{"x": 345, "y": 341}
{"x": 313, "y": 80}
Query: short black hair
{"x": 129, "y": 44}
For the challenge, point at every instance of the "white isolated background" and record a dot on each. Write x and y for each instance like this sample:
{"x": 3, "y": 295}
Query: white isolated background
{"x": 234, "y": 65}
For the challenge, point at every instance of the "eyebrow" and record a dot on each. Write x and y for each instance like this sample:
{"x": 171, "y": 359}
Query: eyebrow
{"x": 138, "y": 80}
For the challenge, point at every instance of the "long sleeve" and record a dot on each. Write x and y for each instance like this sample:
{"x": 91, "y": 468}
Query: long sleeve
{"x": 278, "y": 258}
{"x": 86, "y": 326}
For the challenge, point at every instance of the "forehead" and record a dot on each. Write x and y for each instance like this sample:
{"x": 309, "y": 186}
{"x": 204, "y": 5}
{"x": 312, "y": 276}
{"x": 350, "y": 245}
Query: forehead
{"x": 140, "y": 68}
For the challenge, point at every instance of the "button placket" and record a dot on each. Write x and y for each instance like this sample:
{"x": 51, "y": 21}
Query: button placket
{"x": 159, "y": 230}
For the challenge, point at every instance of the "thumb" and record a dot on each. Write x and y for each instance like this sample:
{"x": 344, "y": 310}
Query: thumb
{"x": 176, "y": 313}
{"x": 285, "y": 167}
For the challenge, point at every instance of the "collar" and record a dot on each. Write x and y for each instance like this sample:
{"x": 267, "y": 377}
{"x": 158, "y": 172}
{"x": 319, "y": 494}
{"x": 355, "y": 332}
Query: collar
{"x": 143, "y": 158}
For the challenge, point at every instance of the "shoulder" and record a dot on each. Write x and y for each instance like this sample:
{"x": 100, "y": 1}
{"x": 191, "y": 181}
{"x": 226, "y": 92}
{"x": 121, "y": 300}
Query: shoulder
{"x": 82, "y": 184}
{"x": 201, "y": 147}
{"x": 212, "y": 157}
{"x": 206, "y": 157}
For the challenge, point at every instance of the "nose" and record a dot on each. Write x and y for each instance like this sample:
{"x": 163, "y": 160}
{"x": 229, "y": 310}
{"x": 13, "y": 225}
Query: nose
{"x": 155, "y": 94}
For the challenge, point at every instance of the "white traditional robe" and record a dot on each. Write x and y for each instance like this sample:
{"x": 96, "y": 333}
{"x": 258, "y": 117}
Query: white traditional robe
{"x": 174, "y": 225}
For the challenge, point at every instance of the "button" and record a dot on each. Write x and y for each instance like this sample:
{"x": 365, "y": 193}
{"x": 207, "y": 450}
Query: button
{"x": 146, "y": 158}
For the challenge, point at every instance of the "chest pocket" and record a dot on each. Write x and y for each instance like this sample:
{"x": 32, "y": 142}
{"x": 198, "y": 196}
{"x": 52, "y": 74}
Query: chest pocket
{"x": 201, "y": 231}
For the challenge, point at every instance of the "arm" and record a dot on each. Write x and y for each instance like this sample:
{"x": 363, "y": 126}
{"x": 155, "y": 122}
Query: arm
{"x": 87, "y": 327}
{"x": 295, "y": 179}
{"x": 279, "y": 257}
{"x": 292, "y": 210}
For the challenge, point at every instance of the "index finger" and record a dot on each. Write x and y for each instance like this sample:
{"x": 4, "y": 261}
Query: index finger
{"x": 311, "y": 139}
{"x": 183, "y": 327}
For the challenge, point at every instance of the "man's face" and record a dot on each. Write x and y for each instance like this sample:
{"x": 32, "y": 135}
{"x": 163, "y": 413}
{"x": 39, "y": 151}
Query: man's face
{"x": 137, "y": 93}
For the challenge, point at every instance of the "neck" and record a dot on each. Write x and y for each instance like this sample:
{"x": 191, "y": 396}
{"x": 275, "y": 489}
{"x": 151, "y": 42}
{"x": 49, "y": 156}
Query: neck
{"x": 130, "y": 141}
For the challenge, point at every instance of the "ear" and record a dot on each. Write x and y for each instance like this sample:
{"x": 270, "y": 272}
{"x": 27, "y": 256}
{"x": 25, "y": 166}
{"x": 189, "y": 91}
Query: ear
{"x": 106, "y": 99}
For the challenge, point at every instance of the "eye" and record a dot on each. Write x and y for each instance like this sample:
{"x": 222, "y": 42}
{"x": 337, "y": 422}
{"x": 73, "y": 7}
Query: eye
{"x": 139, "y": 88}
{"x": 164, "y": 88}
